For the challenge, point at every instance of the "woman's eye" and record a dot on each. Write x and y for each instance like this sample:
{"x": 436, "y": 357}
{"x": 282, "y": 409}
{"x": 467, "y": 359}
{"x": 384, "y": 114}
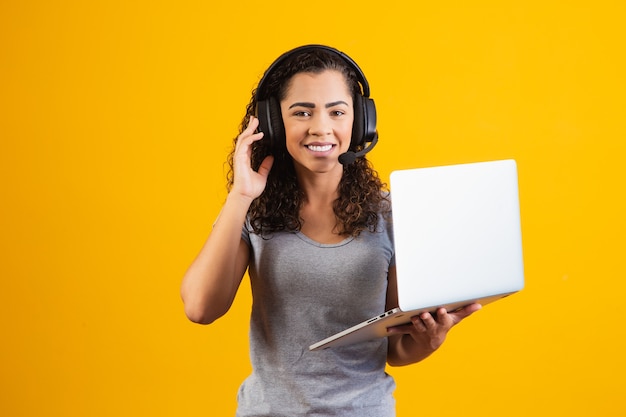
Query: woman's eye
{"x": 302, "y": 113}
{"x": 337, "y": 113}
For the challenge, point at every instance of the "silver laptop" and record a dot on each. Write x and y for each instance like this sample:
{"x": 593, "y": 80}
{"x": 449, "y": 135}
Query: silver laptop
{"x": 457, "y": 239}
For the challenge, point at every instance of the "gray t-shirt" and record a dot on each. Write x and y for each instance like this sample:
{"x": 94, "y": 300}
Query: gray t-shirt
{"x": 304, "y": 291}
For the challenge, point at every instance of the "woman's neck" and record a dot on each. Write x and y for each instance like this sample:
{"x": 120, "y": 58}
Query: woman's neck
{"x": 320, "y": 188}
{"x": 317, "y": 214}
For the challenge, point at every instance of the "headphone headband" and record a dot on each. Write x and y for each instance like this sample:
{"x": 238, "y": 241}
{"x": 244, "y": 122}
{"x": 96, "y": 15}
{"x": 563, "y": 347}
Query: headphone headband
{"x": 261, "y": 95}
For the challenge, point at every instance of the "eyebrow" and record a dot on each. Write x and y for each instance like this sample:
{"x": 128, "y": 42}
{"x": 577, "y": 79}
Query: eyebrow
{"x": 312, "y": 105}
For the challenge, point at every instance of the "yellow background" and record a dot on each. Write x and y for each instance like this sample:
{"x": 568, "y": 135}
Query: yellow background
{"x": 115, "y": 120}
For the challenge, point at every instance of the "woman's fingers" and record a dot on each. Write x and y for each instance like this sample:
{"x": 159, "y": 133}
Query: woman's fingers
{"x": 248, "y": 136}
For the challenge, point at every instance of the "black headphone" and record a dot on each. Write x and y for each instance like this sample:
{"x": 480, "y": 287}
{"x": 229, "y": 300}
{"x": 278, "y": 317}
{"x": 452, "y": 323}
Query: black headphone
{"x": 364, "y": 125}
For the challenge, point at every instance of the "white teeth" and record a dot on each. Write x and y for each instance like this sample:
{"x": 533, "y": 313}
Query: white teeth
{"x": 320, "y": 148}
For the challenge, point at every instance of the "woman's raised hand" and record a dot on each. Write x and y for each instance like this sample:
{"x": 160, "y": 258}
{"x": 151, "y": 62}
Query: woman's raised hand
{"x": 247, "y": 182}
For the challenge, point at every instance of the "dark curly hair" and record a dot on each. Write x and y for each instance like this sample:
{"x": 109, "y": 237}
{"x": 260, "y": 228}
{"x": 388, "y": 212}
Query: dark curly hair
{"x": 362, "y": 195}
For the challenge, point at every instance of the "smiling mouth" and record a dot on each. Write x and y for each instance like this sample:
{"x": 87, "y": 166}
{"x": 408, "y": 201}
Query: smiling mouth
{"x": 319, "y": 148}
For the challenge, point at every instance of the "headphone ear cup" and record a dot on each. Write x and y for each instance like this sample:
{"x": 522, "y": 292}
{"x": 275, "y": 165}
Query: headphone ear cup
{"x": 277, "y": 139}
{"x": 369, "y": 120}
{"x": 364, "y": 125}
{"x": 262, "y": 113}
{"x": 271, "y": 122}
{"x": 358, "y": 125}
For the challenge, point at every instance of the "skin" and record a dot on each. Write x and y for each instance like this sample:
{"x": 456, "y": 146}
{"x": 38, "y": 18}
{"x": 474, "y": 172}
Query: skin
{"x": 318, "y": 114}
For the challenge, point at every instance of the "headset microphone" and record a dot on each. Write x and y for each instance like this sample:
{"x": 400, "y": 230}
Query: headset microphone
{"x": 349, "y": 157}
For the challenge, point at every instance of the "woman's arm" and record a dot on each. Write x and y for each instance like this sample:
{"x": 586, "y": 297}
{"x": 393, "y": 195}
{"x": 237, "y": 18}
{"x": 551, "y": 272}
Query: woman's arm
{"x": 211, "y": 282}
{"x": 411, "y": 343}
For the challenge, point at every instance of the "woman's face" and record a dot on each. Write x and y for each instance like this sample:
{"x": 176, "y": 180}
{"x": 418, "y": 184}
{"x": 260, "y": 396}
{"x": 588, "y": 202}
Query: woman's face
{"x": 317, "y": 113}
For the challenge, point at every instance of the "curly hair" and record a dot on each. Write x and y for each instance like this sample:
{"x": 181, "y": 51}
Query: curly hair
{"x": 362, "y": 197}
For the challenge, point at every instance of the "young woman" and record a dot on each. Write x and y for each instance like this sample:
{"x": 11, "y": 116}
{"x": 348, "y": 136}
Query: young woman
{"x": 315, "y": 235}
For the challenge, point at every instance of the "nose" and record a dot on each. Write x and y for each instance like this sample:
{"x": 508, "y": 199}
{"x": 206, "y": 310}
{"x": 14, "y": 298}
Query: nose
{"x": 320, "y": 125}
